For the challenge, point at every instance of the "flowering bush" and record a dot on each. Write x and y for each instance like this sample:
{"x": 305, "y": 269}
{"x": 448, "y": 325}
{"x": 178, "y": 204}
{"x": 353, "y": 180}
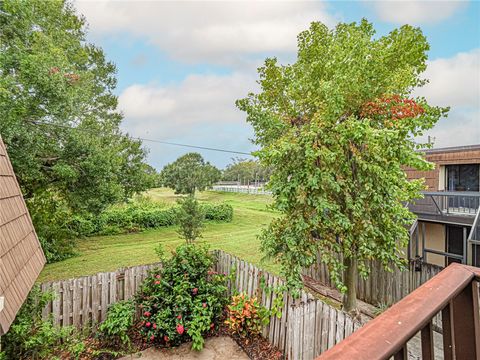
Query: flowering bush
{"x": 184, "y": 300}
{"x": 245, "y": 316}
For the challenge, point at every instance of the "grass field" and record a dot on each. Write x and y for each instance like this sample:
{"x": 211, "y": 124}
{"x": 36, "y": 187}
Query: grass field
{"x": 107, "y": 253}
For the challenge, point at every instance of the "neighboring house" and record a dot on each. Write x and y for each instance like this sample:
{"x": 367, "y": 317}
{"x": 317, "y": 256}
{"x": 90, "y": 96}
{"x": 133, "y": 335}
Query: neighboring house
{"x": 448, "y": 216}
{"x": 21, "y": 257}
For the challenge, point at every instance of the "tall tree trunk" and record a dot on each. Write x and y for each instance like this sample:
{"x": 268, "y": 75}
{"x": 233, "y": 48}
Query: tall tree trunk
{"x": 350, "y": 297}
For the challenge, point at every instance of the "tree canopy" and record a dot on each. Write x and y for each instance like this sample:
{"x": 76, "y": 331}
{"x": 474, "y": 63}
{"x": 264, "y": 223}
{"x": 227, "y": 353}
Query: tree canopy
{"x": 189, "y": 173}
{"x": 58, "y": 118}
{"x": 246, "y": 171}
{"x": 337, "y": 127}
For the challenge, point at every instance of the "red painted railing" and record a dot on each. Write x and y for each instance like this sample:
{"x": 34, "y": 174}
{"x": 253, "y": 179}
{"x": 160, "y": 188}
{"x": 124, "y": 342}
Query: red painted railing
{"x": 454, "y": 291}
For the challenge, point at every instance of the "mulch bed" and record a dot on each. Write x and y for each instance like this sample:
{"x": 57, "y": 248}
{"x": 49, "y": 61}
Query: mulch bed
{"x": 257, "y": 348}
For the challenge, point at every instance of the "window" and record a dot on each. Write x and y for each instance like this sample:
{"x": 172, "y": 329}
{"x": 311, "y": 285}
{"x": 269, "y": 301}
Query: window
{"x": 463, "y": 177}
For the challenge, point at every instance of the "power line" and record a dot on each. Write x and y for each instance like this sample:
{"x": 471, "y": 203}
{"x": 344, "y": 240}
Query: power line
{"x": 150, "y": 140}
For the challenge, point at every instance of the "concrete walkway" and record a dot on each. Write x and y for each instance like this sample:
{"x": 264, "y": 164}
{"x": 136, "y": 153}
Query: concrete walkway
{"x": 216, "y": 348}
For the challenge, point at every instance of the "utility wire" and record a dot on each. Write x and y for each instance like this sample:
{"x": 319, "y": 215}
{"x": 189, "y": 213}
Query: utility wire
{"x": 150, "y": 140}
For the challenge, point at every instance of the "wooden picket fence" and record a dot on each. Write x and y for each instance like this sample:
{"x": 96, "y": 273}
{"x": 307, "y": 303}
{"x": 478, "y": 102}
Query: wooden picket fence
{"x": 382, "y": 287}
{"x": 306, "y": 328}
{"x": 83, "y": 302}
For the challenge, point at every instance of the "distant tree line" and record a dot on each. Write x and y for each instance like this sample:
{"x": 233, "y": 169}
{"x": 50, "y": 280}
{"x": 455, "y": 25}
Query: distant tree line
{"x": 246, "y": 172}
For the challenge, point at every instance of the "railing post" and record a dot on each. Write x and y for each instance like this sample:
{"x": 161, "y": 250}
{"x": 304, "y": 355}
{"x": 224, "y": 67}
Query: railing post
{"x": 476, "y": 314}
{"x": 401, "y": 354}
{"x": 448, "y": 331}
{"x": 464, "y": 325}
{"x": 427, "y": 342}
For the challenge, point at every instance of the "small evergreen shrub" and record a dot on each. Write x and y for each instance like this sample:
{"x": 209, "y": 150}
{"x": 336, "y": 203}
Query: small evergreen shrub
{"x": 190, "y": 218}
{"x": 183, "y": 300}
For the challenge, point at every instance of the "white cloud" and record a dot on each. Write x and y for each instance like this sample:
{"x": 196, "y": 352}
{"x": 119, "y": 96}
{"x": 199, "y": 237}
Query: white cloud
{"x": 200, "y": 111}
{"x": 459, "y": 128}
{"x": 207, "y": 31}
{"x": 454, "y": 81}
{"x": 165, "y": 111}
{"x": 415, "y": 12}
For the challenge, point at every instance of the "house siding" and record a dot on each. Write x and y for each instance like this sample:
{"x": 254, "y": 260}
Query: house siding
{"x": 442, "y": 157}
{"x": 21, "y": 256}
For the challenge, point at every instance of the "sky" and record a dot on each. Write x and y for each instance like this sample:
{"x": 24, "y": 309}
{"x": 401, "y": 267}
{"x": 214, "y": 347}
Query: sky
{"x": 182, "y": 64}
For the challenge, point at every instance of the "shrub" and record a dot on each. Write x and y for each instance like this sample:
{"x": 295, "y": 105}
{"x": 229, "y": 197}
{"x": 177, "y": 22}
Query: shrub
{"x": 190, "y": 218}
{"x": 183, "y": 300}
{"x": 218, "y": 212}
{"x": 30, "y": 337}
{"x": 245, "y": 316}
{"x": 137, "y": 216}
{"x": 119, "y": 321}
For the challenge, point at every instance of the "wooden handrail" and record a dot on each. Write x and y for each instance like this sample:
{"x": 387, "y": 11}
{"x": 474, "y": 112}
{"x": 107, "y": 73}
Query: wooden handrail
{"x": 388, "y": 334}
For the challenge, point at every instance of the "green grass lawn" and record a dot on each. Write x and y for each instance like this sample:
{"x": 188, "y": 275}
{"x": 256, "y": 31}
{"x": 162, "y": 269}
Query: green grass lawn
{"x": 107, "y": 253}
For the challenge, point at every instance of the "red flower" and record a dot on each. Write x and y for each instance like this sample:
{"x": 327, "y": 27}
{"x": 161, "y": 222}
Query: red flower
{"x": 157, "y": 276}
{"x": 147, "y": 313}
{"x": 179, "y": 317}
{"x": 195, "y": 291}
{"x": 154, "y": 326}
{"x": 212, "y": 325}
{"x": 152, "y": 337}
{"x": 166, "y": 338}
{"x": 157, "y": 282}
{"x": 148, "y": 324}
{"x": 180, "y": 329}
{"x": 204, "y": 305}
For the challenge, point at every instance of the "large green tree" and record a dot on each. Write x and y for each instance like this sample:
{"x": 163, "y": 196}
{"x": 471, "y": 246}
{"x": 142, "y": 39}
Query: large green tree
{"x": 337, "y": 127}
{"x": 189, "y": 173}
{"x": 59, "y": 121}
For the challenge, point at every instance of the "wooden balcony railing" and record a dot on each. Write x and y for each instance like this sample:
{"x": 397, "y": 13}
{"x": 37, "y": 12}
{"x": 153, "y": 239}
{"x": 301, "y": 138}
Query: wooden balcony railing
{"x": 454, "y": 292}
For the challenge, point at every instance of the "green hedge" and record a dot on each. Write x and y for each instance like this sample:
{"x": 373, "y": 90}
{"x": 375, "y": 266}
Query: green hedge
{"x": 140, "y": 216}
{"x": 218, "y": 212}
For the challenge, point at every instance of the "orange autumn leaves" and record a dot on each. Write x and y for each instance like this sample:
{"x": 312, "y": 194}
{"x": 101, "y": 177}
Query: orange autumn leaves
{"x": 391, "y": 108}
{"x": 245, "y": 316}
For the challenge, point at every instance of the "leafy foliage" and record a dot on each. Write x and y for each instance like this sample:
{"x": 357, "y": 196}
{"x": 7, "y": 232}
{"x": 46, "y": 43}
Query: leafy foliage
{"x": 138, "y": 216}
{"x": 218, "y": 212}
{"x": 183, "y": 300}
{"x": 30, "y": 337}
{"x": 189, "y": 173}
{"x": 245, "y": 316}
{"x": 246, "y": 171}
{"x": 190, "y": 219}
{"x": 59, "y": 121}
{"x": 119, "y": 321}
{"x": 337, "y": 128}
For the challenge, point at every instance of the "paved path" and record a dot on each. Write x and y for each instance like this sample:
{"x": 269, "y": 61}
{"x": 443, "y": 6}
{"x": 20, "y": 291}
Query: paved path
{"x": 216, "y": 348}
